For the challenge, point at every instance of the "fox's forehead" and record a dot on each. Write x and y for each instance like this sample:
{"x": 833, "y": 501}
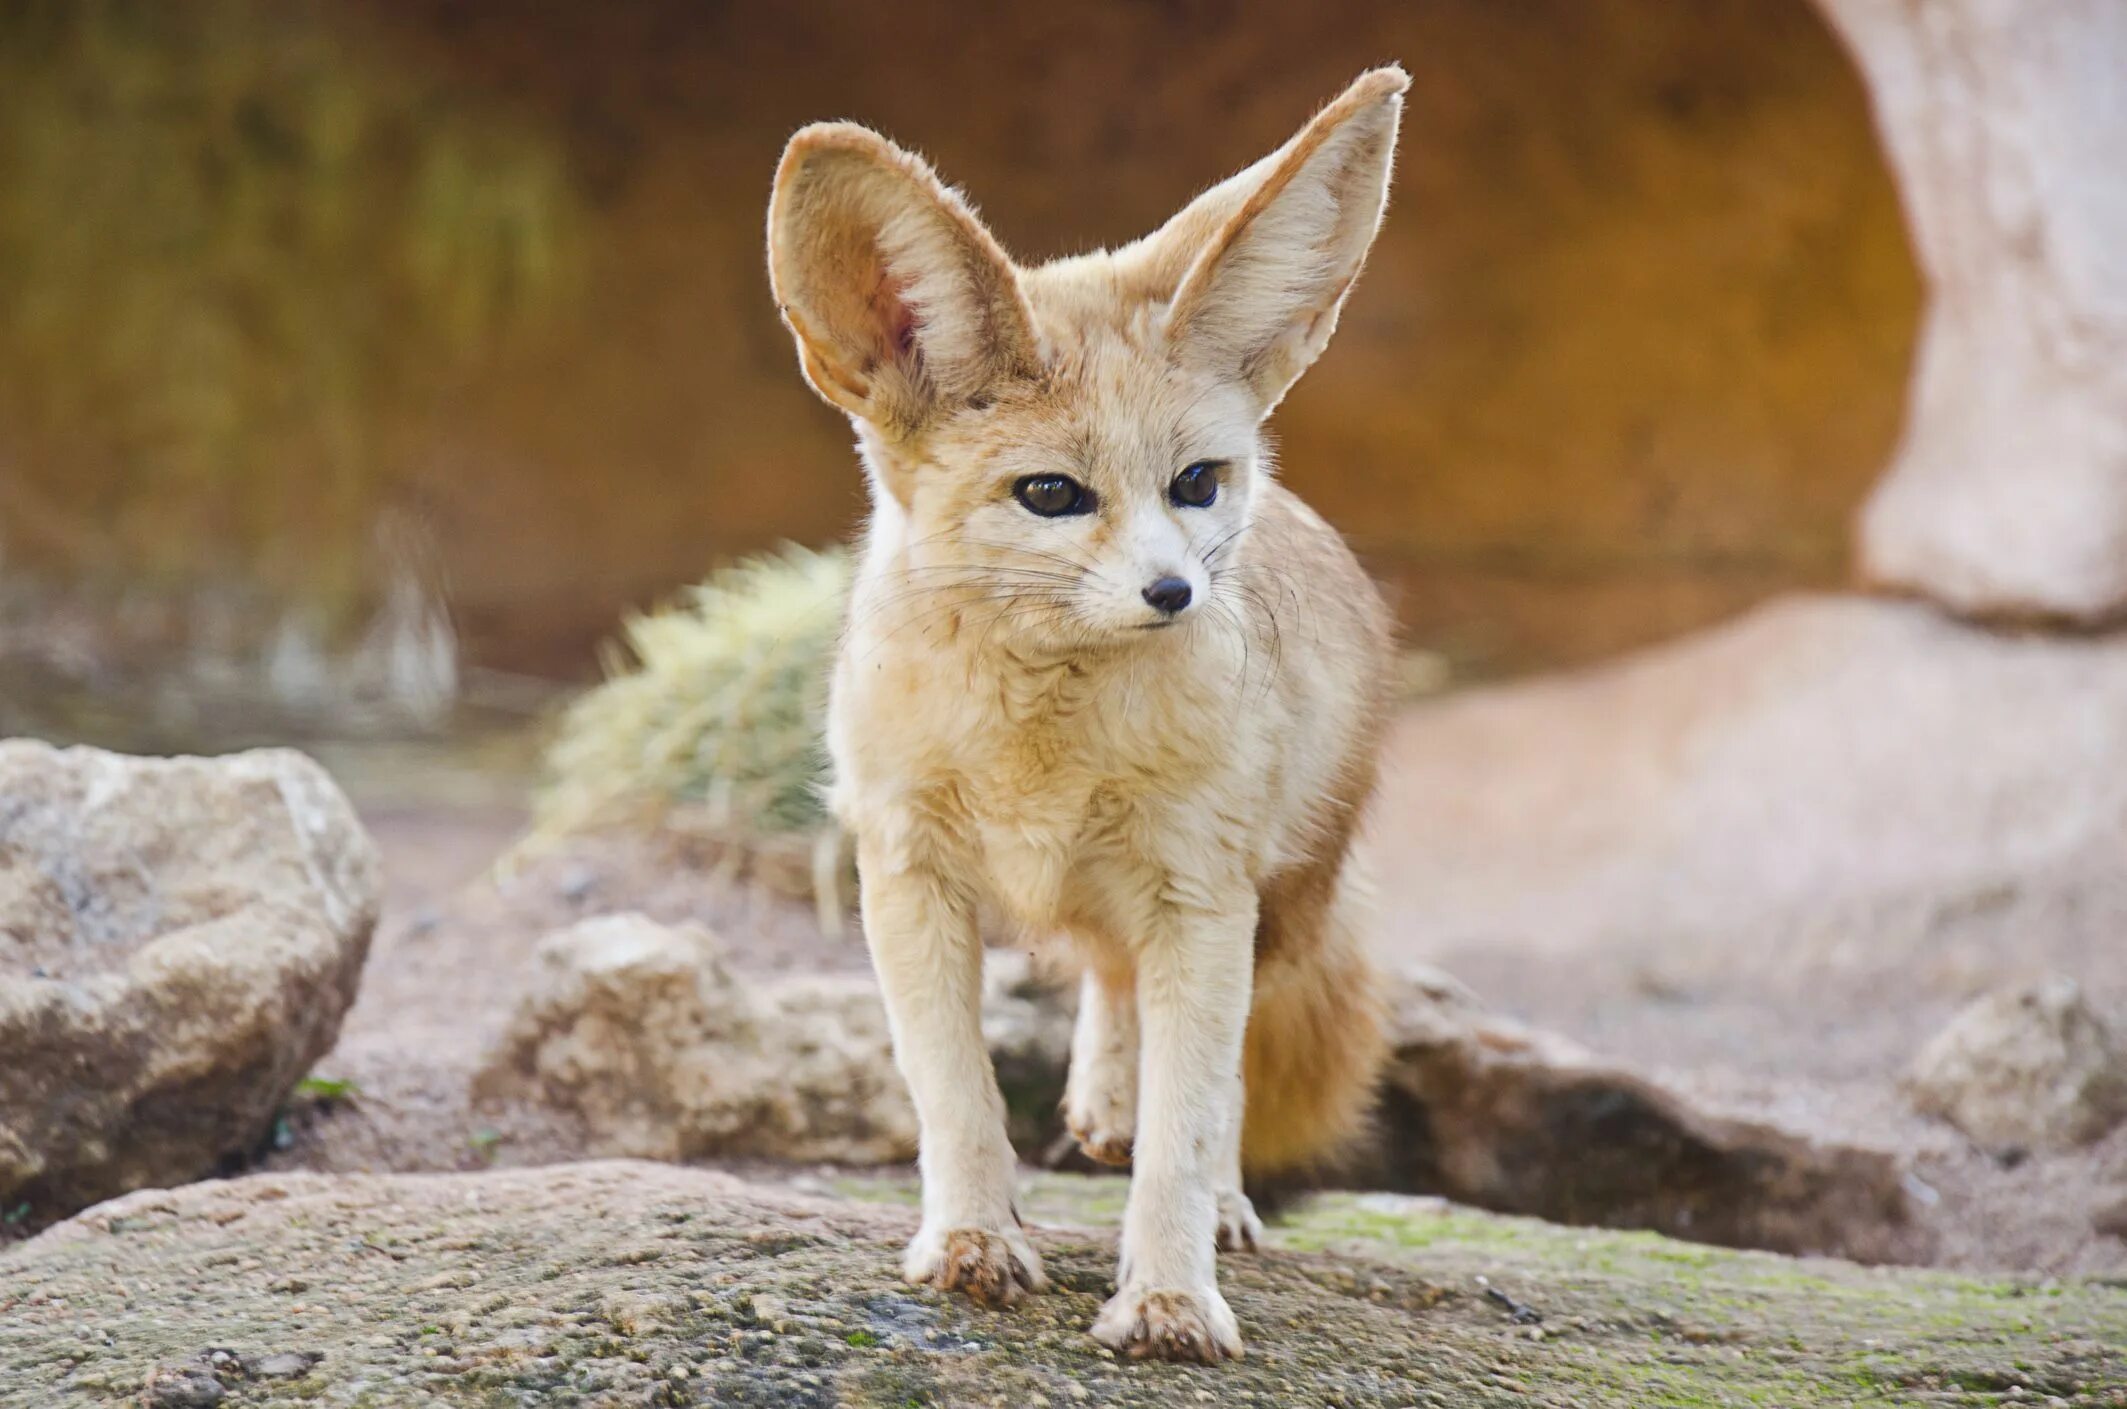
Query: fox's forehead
{"x": 1112, "y": 402}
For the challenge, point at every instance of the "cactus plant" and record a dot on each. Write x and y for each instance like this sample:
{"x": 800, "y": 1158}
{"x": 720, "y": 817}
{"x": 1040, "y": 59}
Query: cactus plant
{"x": 710, "y": 719}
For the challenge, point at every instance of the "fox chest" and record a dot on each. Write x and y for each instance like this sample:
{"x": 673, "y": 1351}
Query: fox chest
{"x": 1058, "y": 824}
{"x": 1037, "y": 857}
{"x": 1053, "y": 857}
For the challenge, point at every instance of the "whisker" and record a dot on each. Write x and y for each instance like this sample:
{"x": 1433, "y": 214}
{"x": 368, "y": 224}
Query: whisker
{"x": 1226, "y": 540}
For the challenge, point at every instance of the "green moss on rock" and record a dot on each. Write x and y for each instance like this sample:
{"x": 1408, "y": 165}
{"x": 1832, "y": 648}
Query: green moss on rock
{"x": 624, "y": 1283}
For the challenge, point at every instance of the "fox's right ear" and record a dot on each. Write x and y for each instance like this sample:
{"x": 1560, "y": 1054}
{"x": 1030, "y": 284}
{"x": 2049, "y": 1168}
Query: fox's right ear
{"x": 902, "y": 304}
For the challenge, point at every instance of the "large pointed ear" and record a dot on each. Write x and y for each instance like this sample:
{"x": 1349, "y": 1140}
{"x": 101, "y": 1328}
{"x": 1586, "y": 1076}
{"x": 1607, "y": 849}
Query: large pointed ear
{"x": 1260, "y": 296}
{"x": 901, "y": 302}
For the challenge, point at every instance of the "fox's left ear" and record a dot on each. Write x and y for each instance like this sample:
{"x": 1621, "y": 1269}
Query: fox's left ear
{"x": 902, "y": 304}
{"x": 1261, "y": 298}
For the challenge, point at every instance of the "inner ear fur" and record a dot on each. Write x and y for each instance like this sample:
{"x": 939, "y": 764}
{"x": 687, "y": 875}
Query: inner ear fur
{"x": 901, "y": 302}
{"x": 1262, "y": 262}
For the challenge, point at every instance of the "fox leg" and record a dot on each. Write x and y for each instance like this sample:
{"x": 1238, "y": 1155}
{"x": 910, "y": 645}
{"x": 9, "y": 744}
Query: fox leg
{"x": 1100, "y": 1100}
{"x": 1100, "y": 1096}
{"x": 1239, "y": 1229}
{"x": 1193, "y": 983}
{"x": 928, "y": 956}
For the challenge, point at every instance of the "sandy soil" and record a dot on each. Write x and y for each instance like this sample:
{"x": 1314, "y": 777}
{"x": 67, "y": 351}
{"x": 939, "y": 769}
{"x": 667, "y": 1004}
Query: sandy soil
{"x": 1814, "y": 1037}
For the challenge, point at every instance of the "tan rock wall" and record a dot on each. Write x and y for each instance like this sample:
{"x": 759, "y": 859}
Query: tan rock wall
{"x": 2008, "y": 497}
{"x": 1630, "y": 353}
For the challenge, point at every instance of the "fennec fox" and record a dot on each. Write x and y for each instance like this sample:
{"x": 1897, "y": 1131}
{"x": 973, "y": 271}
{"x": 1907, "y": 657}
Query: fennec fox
{"x": 1105, "y": 679}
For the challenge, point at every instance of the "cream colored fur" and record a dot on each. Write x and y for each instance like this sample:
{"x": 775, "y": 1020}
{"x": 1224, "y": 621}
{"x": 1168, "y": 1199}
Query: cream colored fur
{"x": 1011, "y": 737}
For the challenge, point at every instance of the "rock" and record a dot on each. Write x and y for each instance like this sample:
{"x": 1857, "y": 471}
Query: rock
{"x": 2026, "y": 1069}
{"x": 2111, "y": 1219}
{"x": 1026, "y": 1020}
{"x": 1825, "y": 775}
{"x": 2008, "y": 496}
{"x": 179, "y": 939}
{"x": 1488, "y": 1112}
{"x": 666, "y": 1053}
{"x": 643, "y": 1031}
{"x": 284, "y": 1365}
{"x": 621, "y": 1022}
{"x": 528, "y": 1284}
{"x": 184, "y": 1387}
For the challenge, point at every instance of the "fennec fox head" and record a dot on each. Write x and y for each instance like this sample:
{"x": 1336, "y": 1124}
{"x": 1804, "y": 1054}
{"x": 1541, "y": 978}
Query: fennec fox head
{"x": 1077, "y": 447}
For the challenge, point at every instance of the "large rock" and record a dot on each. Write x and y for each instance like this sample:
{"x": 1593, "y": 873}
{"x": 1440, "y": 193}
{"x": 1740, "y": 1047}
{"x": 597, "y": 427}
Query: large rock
{"x": 2004, "y": 127}
{"x": 1825, "y": 776}
{"x": 666, "y": 1053}
{"x": 2033, "y": 1068}
{"x": 1489, "y": 1112}
{"x": 178, "y": 941}
{"x": 634, "y": 1284}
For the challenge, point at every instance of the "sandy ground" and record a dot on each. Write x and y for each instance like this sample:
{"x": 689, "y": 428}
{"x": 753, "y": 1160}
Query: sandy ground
{"x": 1816, "y": 1039}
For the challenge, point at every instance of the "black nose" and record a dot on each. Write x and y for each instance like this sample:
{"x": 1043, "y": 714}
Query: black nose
{"x": 1169, "y": 594}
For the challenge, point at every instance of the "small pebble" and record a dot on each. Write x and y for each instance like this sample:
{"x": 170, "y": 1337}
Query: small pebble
{"x": 287, "y": 1365}
{"x": 188, "y": 1388}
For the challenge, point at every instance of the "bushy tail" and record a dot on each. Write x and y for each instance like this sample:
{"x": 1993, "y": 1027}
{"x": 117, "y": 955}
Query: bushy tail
{"x": 1316, "y": 1038}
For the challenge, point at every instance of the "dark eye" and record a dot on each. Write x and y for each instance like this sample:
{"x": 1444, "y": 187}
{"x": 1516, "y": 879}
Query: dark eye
{"x": 1197, "y": 486}
{"x": 1053, "y": 496}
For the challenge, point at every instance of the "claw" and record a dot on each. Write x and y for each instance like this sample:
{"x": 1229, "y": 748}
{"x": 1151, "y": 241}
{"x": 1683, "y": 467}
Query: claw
{"x": 1192, "y": 1327}
{"x": 993, "y": 1267}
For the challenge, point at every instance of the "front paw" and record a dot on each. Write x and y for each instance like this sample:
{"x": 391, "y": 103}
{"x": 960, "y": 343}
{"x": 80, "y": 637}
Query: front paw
{"x": 1239, "y": 1228}
{"x": 1196, "y": 1327}
{"x": 994, "y": 1266}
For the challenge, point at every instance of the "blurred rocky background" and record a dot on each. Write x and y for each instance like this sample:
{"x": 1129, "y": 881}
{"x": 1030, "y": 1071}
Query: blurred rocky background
{"x": 317, "y": 320}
